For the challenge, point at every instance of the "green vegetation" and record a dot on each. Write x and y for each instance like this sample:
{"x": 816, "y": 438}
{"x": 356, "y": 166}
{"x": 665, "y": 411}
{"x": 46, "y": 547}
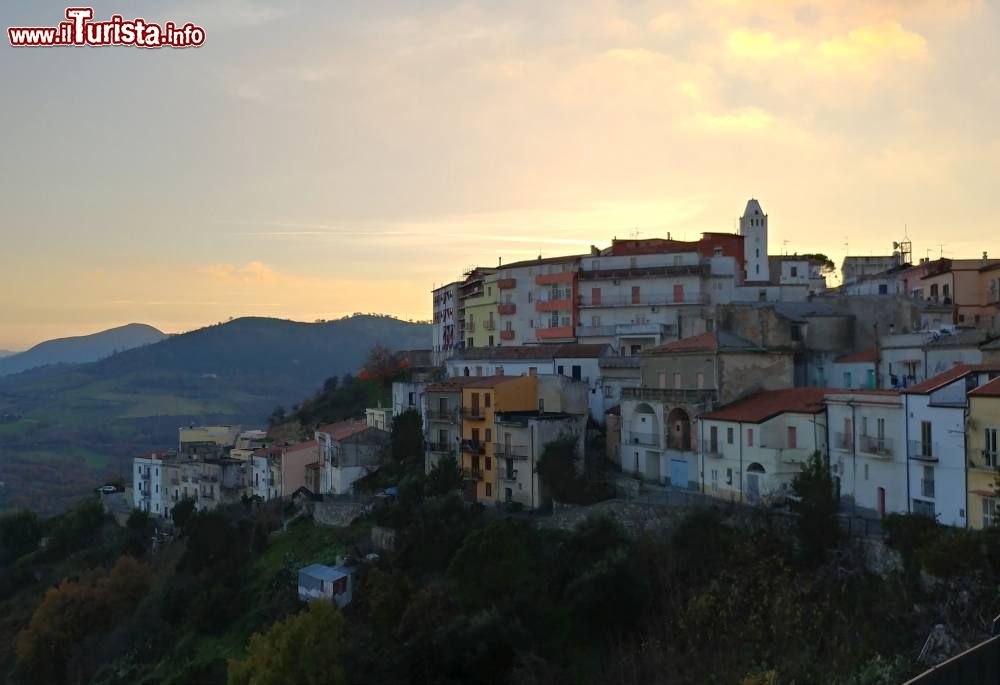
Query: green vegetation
{"x": 566, "y": 479}
{"x": 816, "y": 505}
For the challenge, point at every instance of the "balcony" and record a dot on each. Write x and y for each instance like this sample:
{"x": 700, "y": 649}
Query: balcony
{"x": 446, "y": 416}
{"x": 682, "y": 395}
{"x": 473, "y": 413}
{"x": 628, "y": 330}
{"x": 843, "y": 441}
{"x": 508, "y": 475}
{"x": 470, "y": 326}
{"x": 550, "y": 279}
{"x": 489, "y": 325}
{"x": 473, "y": 447}
{"x": 645, "y": 439}
{"x": 643, "y": 300}
{"x": 554, "y": 305}
{"x": 507, "y": 334}
{"x": 924, "y": 451}
{"x": 443, "y": 447}
{"x": 504, "y": 451}
{"x": 507, "y": 308}
{"x": 927, "y": 487}
{"x": 711, "y": 449}
{"x": 988, "y": 460}
{"x": 645, "y": 272}
{"x": 880, "y": 447}
{"x": 472, "y": 474}
{"x": 554, "y": 332}
{"x": 506, "y": 283}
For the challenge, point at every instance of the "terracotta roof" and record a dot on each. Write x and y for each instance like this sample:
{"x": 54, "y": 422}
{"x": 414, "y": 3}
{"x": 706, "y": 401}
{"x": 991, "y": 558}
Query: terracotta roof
{"x": 547, "y": 260}
{"x": 713, "y": 341}
{"x": 770, "y": 403}
{"x": 942, "y": 379}
{"x": 528, "y": 352}
{"x": 453, "y": 384}
{"x": 301, "y": 446}
{"x": 267, "y": 451}
{"x": 869, "y": 355}
{"x": 343, "y": 429}
{"x": 991, "y": 389}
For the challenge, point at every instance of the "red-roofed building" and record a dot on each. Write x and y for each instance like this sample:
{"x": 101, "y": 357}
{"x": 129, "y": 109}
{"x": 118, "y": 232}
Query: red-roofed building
{"x": 856, "y": 370}
{"x": 751, "y": 449}
{"x": 983, "y": 454}
{"x": 278, "y": 471}
{"x": 348, "y": 450}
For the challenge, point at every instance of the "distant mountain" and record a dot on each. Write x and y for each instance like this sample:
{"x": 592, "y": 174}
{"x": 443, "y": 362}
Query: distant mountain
{"x": 76, "y": 418}
{"x": 6, "y": 353}
{"x": 81, "y": 349}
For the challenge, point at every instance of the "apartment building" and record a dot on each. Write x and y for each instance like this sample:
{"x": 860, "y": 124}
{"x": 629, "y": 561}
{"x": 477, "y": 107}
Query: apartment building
{"x": 853, "y": 269}
{"x": 348, "y": 451}
{"x": 148, "y": 491}
{"x": 481, "y": 314}
{"x": 537, "y": 301}
{"x": 279, "y": 471}
{"x": 446, "y": 336}
{"x": 481, "y": 399}
{"x": 867, "y": 447}
{"x": 247, "y": 443}
{"x": 936, "y": 435}
{"x": 471, "y": 289}
{"x": 751, "y": 449}
{"x": 443, "y": 424}
{"x": 982, "y": 452}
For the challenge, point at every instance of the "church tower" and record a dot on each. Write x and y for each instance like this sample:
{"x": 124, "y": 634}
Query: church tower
{"x": 753, "y": 228}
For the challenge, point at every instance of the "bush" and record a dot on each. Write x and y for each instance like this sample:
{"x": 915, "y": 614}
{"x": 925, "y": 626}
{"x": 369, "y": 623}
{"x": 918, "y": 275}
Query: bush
{"x": 20, "y": 533}
{"x": 953, "y": 553}
{"x": 816, "y": 507}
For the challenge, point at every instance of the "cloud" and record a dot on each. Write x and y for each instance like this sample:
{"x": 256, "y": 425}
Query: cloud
{"x": 251, "y": 272}
{"x": 761, "y": 45}
{"x": 867, "y": 44}
{"x": 744, "y": 119}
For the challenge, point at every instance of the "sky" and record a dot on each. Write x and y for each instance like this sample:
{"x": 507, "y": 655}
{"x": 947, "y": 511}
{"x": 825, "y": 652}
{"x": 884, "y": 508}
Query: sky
{"x": 312, "y": 160}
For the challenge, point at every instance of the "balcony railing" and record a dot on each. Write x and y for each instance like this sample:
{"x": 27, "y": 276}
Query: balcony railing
{"x": 689, "y": 395}
{"x": 843, "y": 441}
{"x": 474, "y": 413}
{"x": 507, "y": 474}
{"x": 507, "y": 308}
{"x": 881, "y": 447}
{"x": 711, "y": 449}
{"x": 643, "y": 300}
{"x": 643, "y": 272}
{"x": 504, "y": 451}
{"x": 554, "y": 332}
{"x": 506, "y": 283}
{"x": 473, "y": 447}
{"x": 489, "y": 325}
{"x": 470, "y": 326}
{"x": 926, "y": 451}
{"x": 445, "y": 447}
{"x": 646, "y": 439}
{"x": 628, "y": 330}
{"x": 989, "y": 458}
{"x": 446, "y": 416}
{"x": 472, "y": 474}
{"x": 926, "y": 487}
{"x": 507, "y": 334}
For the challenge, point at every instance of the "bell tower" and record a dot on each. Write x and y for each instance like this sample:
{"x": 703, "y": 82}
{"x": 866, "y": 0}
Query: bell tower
{"x": 753, "y": 228}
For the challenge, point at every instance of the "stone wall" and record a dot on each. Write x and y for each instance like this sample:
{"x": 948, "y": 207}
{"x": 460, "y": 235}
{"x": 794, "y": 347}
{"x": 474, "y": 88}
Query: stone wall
{"x": 337, "y": 514}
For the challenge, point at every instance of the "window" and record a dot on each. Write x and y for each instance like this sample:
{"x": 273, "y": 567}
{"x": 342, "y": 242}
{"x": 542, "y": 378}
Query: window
{"x": 577, "y": 371}
{"x": 595, "y": 321}
{"x": 866, "y": 471}
{"x": 923, "y": 508}
{"x": 635, "y": 294}
{"x": 488, "y": 460}
{"x": 532, "y": 371}
{"x": 700, "y": 380}
{"x": 489, "y": 436}
{"x": 559, "y": 370}
{"x": 795, "y": 332}
{"x": 490, "y": 341}
{"x": 608, "y": 392}
{"x": 729, "y": 476}
{"x": 883, "y": 289}
{"x": 729, "y": 436}
{"x": 715, "y": 480}
{"x": 595, "y": 295}
{"x": 487, "y": 399}
{"x": 713, "y": 439}
{"x": 927, "y": 482}
{"x": 749, "y": 437}
{"x": 795, "y": 272}
{"x": 989, "y": 512}
{"x": 926, "y": 435}
{"x": 990, "y": 449}
{"x": 792, "y": 438}
{"x": 489, "y": 489}
{"x": 410, "y": 398}
{"x": 848, "y": 379}
{"x": 677, "y": 380}
{"x": 499, "y": 370}
{"x": 662, "y": 379}
{"x": 529, "y": 297}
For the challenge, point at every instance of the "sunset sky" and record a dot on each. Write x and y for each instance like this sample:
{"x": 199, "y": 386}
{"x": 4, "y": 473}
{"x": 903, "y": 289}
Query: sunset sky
{"x": 309, "y": 163}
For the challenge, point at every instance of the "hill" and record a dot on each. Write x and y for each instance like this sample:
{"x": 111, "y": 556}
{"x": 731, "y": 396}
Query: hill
{"x": 6, "y": 353}
{"x": 80, "y": 349}
{"x": 63, "y": 428}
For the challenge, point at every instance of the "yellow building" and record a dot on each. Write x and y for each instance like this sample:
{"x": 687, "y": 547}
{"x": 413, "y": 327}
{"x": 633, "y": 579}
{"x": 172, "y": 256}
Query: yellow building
{"x": 481, "y": 399}
{"x": 981, "y": 441}
{"x": 481, "y": 315}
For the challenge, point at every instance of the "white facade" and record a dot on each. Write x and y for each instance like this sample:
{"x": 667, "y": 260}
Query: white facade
{"x": 148, "y": 490}
{"x": 753, "y": 228}
{"x": 519, "y": 293}
{"x": 756, "y": 462}
{"x": 936, "y": 446}
{"x": 408, "y": 395}
{"x": 445, "y": 326}
{"x": 868, "y": 453}
{"x": 521, "y": 440}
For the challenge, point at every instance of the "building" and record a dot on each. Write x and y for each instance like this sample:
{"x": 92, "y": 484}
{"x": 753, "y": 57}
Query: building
{"x": 162, "y": 479}
{"x": 379, "y": 417}
{"x": 853, "y": 269}
{"x": 537, "y": 301}
{"x": 936, "y": 433}
{"x": 521, "y": 438}
{"x": 982, "y": 452}
{"x": 753, "y": 228}
{"x": 579, "y": 362}
{"x": 446, "y": 336}
{"x": 407, "y": 395}
{"x": 751, "y": 449}
{"x": 471, "y": 289}
{"x": 481, "y": 314}
{"x": 909, "y": 358}
{"x": 867, "y": 447}
{"x": 481, "y": 399}
{"x": 348, "y": 451}
{"x": 330, "y": 583}
{"x": 971, "y": 287}
{"x": 207, "y": 441}
{"x": 796, "y": 270}
{"x": 148, "y": 491}
{"x": 247, "y": 443}
{"x": 855, "y": 371}
{"x": 679, "y": 381}
{"x": 443, "y": 423}
{"x": 280, "y": 471}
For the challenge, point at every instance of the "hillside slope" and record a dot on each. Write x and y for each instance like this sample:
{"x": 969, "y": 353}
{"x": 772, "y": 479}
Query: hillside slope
{"x": 81, "y": 349}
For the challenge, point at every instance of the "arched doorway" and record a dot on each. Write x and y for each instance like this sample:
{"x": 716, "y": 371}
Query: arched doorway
{"x": 466, "y": 372}
{"x": 755, "y": 476}
{"x": 679, "y": 430}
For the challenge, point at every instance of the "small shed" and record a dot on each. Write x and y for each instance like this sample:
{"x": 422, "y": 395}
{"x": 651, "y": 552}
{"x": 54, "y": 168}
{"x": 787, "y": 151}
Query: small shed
{"x": 326, "y": 582}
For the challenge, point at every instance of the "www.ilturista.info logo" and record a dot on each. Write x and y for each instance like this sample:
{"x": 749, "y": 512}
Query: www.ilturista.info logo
{"x": 80, "y": 30}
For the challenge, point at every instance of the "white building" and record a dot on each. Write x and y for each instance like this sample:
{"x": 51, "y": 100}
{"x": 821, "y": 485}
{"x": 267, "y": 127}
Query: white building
{"x": 751, "y": 449}
{"x": 753, "y": 228}
{"x": 348, "y": 451}
{"x": 148, "y": 483}
{"x": 868, "y": 457}
{"x": 445, "y": 332}
{"x": 935, "y": 434}
{"x": 855, "y": 371}
{"x": 536, "y": 301}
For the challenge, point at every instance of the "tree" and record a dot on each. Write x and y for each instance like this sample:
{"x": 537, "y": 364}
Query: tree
{"x": 182, "y": 512}
{"x": 331, "y": 384}
{"x": 305, "y": 648}
{"x": 277, "y": 416}
{"x": 407, "y": 436}
{"x": 20, "y": 533}
{"x": 381, "y": 365}
{"x": 816, "y": 506}
{"x": 444, "y": 478}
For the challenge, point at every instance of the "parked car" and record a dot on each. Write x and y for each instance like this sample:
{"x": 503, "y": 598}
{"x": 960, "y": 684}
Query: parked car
{"x": 107, "y": 489}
